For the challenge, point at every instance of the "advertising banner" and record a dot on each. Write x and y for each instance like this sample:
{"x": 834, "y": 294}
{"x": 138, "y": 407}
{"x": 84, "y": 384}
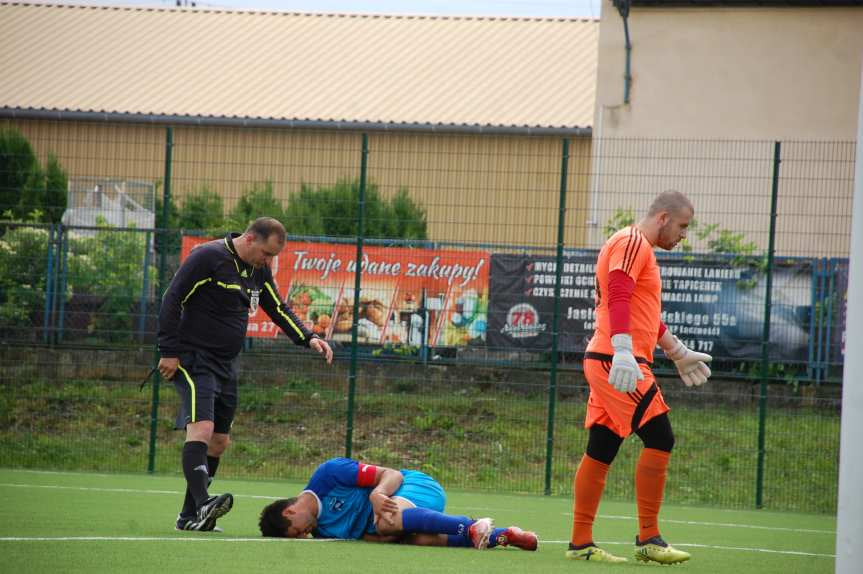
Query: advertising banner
{"x": 709, "y": 303}
{"x": 521, "y": 302}
{"x": 407, "y": 295}
{"x": 718, "y": 308}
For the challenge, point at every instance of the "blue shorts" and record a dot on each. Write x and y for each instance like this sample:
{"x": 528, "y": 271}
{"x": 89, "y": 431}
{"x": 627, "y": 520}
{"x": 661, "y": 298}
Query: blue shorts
{"x": 421, "y": 490}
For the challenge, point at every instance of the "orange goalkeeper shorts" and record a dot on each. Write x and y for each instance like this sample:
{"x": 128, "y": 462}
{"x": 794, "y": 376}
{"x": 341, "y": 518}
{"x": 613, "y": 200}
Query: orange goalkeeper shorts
{"x": 621, "y": 412}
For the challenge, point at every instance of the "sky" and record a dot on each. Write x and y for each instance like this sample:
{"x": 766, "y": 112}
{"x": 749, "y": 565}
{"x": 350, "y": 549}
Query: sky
{"x": 522, "y": 8}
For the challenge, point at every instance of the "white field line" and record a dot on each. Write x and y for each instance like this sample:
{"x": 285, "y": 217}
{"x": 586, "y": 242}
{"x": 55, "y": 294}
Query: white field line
{"x": 691, "y": 522}
{"x": 727, "y": 525}
{"x": 307, "y": 540}
{"x": 695, "y": 545}
{"x": 157, "y": 539}
{"x": 120, "y": 490}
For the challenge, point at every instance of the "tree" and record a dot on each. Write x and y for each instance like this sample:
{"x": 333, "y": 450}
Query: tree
{"x": 332, "y": 211}
{"x": 256, "y": 202}
{"x": 18, "y": 166}
{"x": 410, "y": 219}
{"x": 56, "y": 190}
{"x": 202, "y": 210}
{"x": 618, "y": 220}
{"x": 167, "y": 242}
{"x": 24, "y": 185}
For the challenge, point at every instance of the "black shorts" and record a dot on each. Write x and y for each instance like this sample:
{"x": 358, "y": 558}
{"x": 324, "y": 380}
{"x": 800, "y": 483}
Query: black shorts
{"x": 208, "y": 390}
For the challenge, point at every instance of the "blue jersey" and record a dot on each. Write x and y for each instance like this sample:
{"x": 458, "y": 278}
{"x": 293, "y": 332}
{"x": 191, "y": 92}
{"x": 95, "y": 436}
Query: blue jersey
{"x": 344, "y": 510}
{"x": 342, "y": 487}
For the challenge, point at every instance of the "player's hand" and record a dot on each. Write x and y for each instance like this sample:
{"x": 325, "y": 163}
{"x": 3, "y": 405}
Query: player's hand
{"x": 691, "y": 365}
{"x": 168, "y": 367}
{"x": 625, "y": 372}
{"x": 383, "y": 506}
{"x": 323, "y": 348}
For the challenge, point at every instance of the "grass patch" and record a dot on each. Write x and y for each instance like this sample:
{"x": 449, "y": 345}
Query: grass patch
{"x": 475, "y": 437}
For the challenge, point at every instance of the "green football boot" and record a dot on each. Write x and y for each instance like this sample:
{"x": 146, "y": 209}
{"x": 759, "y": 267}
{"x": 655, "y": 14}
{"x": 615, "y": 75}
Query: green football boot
{"x": 658, "y": 550}
{"x": 592, "y": 553}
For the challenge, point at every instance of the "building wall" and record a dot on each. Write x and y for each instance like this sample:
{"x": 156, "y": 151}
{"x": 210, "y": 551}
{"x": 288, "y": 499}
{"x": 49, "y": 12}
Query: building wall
{"x": 712, "y": 90}
{"x": 475, "y": 188}
{"x": 731, "y": 73}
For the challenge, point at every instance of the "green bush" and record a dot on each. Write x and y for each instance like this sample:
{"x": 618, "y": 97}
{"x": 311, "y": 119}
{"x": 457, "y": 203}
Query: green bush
{"x": 332, "y": 211}
{"x": 23, "y": 256}
{"x": 24, "y": 185}
{"x": 202, "y": 210}
{"x": 256, "y": 202}
{"x": 110, "y": 265}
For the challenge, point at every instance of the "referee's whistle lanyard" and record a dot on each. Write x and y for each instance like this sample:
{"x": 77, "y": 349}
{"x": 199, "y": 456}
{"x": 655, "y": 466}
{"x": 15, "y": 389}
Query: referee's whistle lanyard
{"x": 147, "y": 378}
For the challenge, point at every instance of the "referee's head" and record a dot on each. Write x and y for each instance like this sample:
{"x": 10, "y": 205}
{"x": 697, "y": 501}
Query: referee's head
{"x": 262, "y": 240}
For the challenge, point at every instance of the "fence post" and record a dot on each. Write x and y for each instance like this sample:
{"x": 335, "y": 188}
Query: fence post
{"x": 145, "y": 289}
{"x": 831, "y": 288}
{"x": 814, "y": 294}
{"x": 63, "y": 270}
{"x": 352, "y": 376}
{"x": 765, "y": 336}
{"x": 49, "y": 287}
{"x": 163, "y": 271}
{"x": 555, "y": 321}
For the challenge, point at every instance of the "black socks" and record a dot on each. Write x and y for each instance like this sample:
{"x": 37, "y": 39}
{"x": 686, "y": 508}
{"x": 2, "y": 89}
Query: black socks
{"x": 196, "y": 472}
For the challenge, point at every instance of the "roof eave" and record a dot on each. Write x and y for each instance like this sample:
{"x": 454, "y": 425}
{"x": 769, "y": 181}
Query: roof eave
{"x": 340, "y": 125}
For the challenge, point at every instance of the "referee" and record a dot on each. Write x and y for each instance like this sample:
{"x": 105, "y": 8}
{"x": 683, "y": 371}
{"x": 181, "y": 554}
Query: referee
{"x": 202, "y": 325}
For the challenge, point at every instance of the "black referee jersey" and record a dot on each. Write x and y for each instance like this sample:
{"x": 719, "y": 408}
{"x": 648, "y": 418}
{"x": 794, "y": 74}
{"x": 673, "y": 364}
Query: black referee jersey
{"x": 207, "y": 304}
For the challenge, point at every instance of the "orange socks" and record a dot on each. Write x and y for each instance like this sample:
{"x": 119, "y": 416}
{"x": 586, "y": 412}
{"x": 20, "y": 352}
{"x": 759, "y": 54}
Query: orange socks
{"x": 650, "y": 473}
{"x": 587, "y": 489}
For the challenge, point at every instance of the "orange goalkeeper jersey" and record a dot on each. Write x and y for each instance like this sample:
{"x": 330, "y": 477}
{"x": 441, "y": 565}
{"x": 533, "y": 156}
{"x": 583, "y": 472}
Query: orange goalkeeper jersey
{"x": 631, "y": 252}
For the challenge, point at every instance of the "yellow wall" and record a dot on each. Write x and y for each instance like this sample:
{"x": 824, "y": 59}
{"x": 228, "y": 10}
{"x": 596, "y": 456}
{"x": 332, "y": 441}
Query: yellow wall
{"x": 475, "y": 188}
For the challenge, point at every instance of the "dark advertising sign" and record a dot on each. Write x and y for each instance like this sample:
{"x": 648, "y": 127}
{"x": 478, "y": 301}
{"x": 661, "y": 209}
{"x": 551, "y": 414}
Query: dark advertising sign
{"x": 717, "y": 307}
{"x": 711, "y": 304}
{"x": 521, "y": 302}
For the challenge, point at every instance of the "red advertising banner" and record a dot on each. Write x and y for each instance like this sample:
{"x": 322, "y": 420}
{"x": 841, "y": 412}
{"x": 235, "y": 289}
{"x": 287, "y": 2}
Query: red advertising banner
{"x": 407, "y": 295}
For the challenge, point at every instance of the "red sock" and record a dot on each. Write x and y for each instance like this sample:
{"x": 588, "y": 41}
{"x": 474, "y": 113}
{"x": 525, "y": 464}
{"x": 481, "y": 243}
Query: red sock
{"x": 587, "y": 489}
{"x": 650, "y": 473}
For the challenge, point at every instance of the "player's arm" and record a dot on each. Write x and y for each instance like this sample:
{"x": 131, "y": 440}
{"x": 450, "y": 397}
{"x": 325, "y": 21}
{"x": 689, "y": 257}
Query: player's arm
{"x": 384, "y": 482}
{"x": 628, "y": 255}
{"x": 691, "y": 365}
{"x": 283, "y": 316}
{"x": 194, "y": 273}
{"x": 625, "y": 372}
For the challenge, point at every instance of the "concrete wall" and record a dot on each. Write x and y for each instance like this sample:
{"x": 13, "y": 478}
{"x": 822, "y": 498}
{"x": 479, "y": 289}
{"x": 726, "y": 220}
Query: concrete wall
{"x": 712, "y": 90}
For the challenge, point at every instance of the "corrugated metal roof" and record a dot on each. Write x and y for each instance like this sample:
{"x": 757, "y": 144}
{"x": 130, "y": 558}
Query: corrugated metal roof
{"x": 378, "y": 69}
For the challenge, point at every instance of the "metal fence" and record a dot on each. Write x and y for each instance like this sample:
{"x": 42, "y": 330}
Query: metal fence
{"x": 474, "y": 303}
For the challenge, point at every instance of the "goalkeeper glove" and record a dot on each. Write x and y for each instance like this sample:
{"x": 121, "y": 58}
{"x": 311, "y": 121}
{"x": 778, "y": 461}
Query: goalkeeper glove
{"x": 625, "y": 372}
{"x": 690, "y": 365}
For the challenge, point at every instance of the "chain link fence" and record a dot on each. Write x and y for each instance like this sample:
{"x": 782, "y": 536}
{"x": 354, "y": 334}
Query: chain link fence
{"x": 475, "y": 302}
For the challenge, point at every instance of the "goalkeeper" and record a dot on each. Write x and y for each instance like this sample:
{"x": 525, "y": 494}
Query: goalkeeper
{"x": 624, "y": 397}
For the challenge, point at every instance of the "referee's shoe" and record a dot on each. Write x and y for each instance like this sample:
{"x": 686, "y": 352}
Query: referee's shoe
{"x": 187, "y": 522}
{"x": 214, "y": 508}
